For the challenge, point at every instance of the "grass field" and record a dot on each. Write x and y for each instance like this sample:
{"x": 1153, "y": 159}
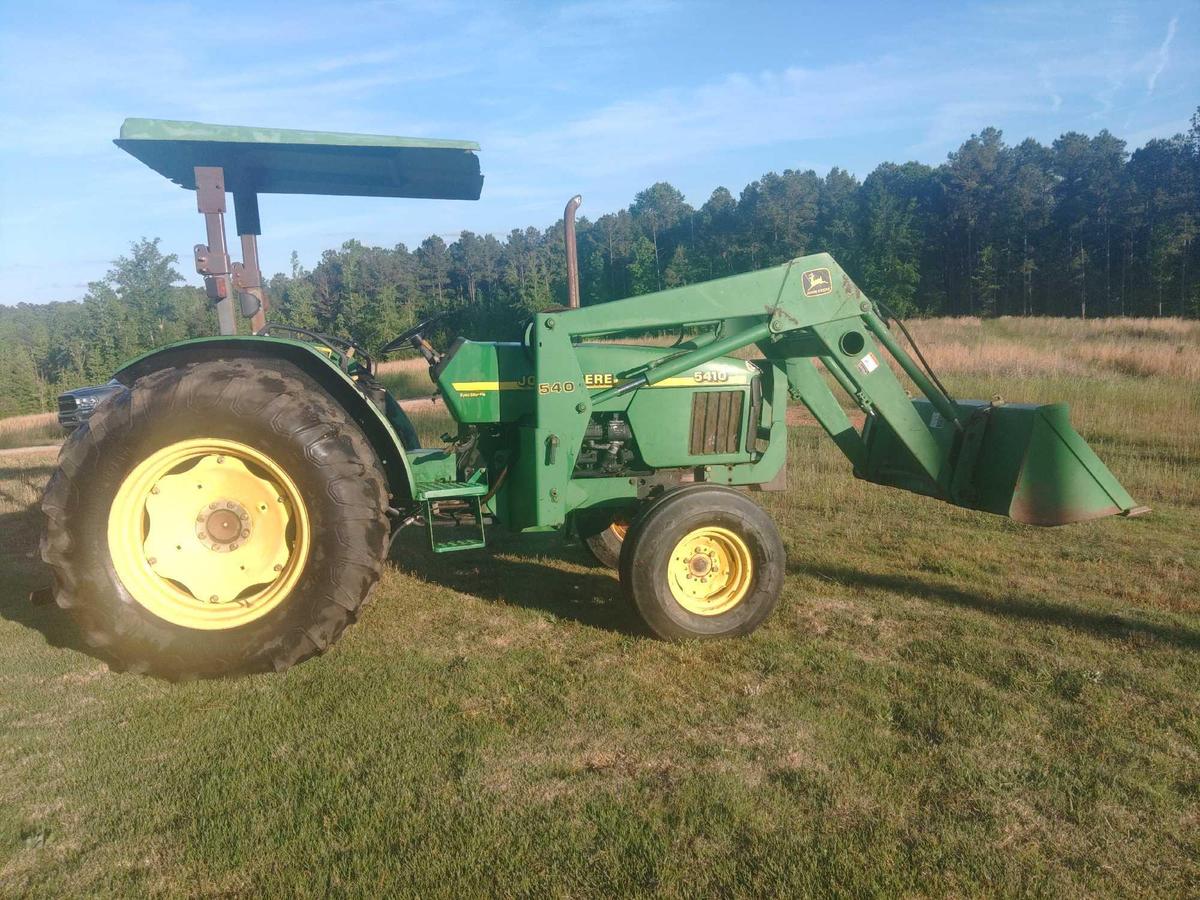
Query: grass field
{"x": 31, "y": 430}
{"x": 406, "y": 378}
{"x": 944, "y": 703}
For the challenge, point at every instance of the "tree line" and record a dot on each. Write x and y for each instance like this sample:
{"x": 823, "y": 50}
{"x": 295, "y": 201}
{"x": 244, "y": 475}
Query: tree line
{"x": 1081, "y": 227}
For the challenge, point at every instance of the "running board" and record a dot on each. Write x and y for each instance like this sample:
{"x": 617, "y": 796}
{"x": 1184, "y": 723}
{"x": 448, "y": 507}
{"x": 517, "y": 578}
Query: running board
{"x": 468, "y": 492}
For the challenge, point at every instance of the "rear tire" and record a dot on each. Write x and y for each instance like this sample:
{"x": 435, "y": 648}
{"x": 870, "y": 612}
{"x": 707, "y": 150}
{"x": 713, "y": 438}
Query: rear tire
{"x": 703, "y": 562}
{"x": 242, "y": 431}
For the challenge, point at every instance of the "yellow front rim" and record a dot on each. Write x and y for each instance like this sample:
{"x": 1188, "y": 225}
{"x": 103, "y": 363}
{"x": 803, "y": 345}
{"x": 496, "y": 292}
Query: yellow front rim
{"x": 208, "y": 534}
{"x": 710, "y": 571}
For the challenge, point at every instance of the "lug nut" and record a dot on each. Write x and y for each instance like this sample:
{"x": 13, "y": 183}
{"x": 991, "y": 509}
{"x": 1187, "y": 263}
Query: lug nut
{"x": 214, "y": 599}
{"x": 220, "y": 459}
{"x": 154, "y": 490}
{"x": 152, "y": 561}
{"x": 246, "y": 533}
{"x": 278, "y": 567}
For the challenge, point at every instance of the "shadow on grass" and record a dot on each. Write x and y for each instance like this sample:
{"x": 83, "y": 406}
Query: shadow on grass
{"x": 518, "y": 578}
{"x": 25, "y": 572}
{"x": 41, "y": 474}
{"x": 31, "y": 474}
{"x": 1046, "y": 612}
{"x": 522, "y": 576}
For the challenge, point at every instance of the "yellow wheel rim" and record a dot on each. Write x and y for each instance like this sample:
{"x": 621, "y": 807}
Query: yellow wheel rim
{"x": 710, "y": 571}
{"x": 619, "y": 529}
{"x": 208, "y": 534}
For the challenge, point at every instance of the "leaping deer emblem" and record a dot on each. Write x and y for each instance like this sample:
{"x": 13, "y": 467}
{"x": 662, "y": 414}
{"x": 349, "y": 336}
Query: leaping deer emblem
{"x": 816, "y": 282}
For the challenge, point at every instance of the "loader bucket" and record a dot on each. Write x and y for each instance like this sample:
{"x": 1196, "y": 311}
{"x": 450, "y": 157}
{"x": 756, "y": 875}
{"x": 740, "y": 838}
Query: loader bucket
{"x": 1022, "y": 461}
{"x": 1034, "y": 467}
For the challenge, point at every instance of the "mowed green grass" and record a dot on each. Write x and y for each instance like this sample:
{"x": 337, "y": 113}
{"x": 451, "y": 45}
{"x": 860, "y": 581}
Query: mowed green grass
{"x": 944, "y": 703}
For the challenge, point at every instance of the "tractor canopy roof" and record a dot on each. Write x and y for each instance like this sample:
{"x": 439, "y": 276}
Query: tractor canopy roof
{"x": 285, "y": 161}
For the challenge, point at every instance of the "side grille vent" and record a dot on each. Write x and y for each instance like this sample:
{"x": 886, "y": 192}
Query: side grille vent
{"x": 716, "y": 422}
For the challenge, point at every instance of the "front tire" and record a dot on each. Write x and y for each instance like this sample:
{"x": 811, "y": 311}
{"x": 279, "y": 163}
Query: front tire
{"x": 218, "y": 518}
{"x": 703, "y": 562}
{"x": 603, "y": 533}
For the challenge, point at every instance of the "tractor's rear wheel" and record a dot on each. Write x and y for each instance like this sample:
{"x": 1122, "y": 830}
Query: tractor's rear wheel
{"x": 703, "y": 562}
{"x": 218, "y": 518}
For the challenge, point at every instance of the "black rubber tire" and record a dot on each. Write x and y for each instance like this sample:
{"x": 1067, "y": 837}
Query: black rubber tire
{"x": 270, "y": 405}
{"x": 660, "y": 527}
{"x": 601, "y": 542}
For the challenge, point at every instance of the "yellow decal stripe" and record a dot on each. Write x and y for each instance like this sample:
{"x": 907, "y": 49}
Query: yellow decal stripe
{"x": 678, "y": 382}
{"x": 490, "y": 386}
{"x": 692, "y": 382}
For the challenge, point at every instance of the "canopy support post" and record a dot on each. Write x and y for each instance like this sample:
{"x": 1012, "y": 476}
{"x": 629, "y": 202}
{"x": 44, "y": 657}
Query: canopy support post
{"x": 247, "y": 277}
{"x": 212, "y": 259}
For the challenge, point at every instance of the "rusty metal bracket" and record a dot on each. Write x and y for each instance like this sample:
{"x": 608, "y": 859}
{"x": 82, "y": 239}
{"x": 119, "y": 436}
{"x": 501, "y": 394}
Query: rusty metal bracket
{"x": 212, "y": 259}
{"x": 247, "y": 276}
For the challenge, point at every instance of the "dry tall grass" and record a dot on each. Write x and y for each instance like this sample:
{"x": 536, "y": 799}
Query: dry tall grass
{"x": 26, "y": 431}
{"x": 24, "y": 423}
{"x": 1024, "y": 348}
{"x": 406, "y": 378}
{"x": 394, "y": 367}
{"x": 1006, "y": 347}
{"x": 1009, "y": 346}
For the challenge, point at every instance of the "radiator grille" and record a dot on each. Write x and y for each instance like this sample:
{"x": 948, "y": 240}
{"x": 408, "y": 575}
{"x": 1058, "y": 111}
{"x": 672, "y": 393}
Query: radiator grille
{"x": 716, "y": 422}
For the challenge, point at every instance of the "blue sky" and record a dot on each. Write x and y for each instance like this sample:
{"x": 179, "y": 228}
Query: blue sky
{"x": 601, "y": 98}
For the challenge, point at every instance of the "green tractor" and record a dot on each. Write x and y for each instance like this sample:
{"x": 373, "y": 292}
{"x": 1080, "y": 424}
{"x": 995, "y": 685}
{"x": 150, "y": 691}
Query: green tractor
{"x": 231, "y": 511}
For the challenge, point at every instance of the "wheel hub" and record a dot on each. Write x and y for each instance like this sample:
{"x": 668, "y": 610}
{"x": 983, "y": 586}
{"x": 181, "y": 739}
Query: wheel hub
{"x": 699, "y": 565}
{"x": 221, "y": 525}
{"x": 710, "y": 571}
{"x": 217, "y": 563}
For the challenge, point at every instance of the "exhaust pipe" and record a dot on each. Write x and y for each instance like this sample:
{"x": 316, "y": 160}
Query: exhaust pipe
{"x": 572, "y": 253}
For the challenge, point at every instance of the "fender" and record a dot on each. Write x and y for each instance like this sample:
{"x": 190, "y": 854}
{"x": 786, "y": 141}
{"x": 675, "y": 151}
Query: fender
{"x": 313, "y": 362}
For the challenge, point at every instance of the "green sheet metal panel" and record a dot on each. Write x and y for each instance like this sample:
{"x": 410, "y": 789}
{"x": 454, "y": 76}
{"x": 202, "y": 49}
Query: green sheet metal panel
{"x": 285, "y": 161}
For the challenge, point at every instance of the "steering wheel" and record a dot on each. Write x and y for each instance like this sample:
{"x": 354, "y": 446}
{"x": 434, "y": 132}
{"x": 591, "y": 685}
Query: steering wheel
{"x": 413, "y": 338}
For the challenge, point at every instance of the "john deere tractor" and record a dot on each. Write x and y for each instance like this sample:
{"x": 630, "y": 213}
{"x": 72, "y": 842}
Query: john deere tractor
{"x": 232, "y": 509}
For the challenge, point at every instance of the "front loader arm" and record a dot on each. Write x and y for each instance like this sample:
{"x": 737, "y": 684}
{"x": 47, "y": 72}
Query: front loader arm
{"x": 1022, "y": 461}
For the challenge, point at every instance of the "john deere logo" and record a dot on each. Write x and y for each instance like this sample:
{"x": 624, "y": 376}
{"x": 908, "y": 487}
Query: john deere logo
{"x": 817, "y": 282}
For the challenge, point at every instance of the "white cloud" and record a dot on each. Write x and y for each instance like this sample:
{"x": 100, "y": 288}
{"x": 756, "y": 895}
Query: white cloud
{"x": 601, "y": 96}
{"x": 1164, "y": 55}
{"x": 738, "y": 111}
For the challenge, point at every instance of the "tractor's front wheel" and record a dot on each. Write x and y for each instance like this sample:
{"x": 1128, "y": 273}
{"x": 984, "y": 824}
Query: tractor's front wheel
{"x": 603, "y": 532}
{"x": 703, "y": 562}
{"x": 217, "y": 518}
